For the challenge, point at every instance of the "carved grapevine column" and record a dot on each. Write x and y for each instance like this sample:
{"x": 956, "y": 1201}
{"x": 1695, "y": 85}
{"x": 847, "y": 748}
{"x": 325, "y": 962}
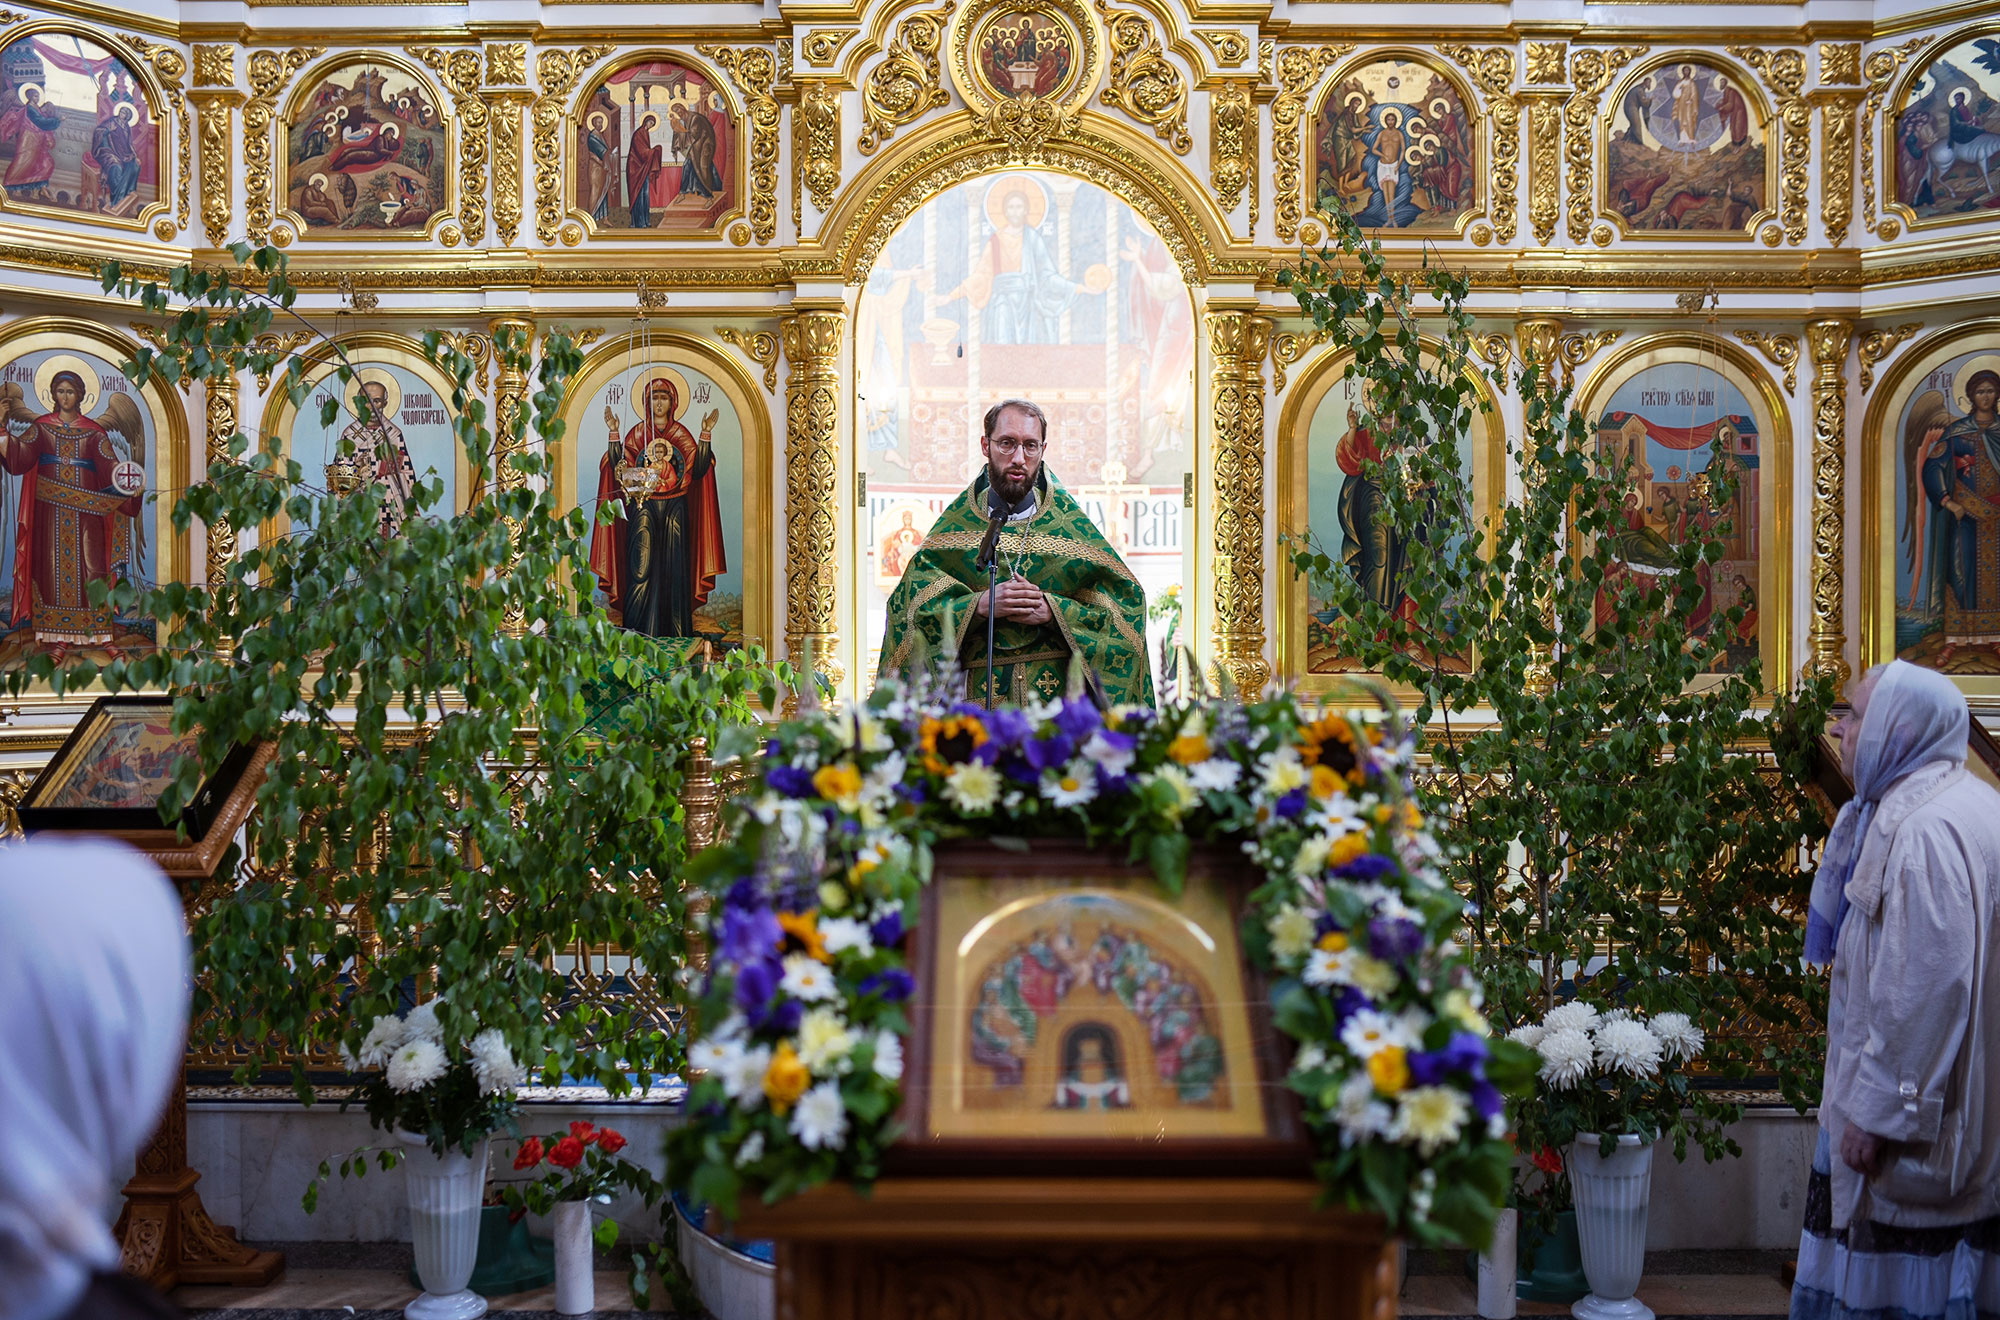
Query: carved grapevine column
{"x": 812, "y": 459}
{"x": 1540, "y": 341}
{"x": 220, "y": 406}
{"x": 1239, "y": 341}
{"x": 1829, "y": 340}
{"x": 509, "y": 400}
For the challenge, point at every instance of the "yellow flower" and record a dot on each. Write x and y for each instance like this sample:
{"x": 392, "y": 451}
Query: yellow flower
{"x": 1334, "y": 941}
{"x": 786, "y": 1079}
{"x": 832, "y": 895}
{"x": 1412, "y": 818}
{"x": 1387, "y": 1068}
{"x": 804, "y": 927}
{"x": 1347, "y": 847}
{"x": 1459, "y": 1007}
{"x": 1188, "y": 749}
{"x": 1325, "y": 783}
{"x": 1384, "y": 814}
{"x": 1372, "y": 976}
{"x": 1291, "y": 932}
{"x": 839, "y": 784}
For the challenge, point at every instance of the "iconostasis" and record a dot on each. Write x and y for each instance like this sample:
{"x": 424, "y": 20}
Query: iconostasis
{"x": 804, "y": 253}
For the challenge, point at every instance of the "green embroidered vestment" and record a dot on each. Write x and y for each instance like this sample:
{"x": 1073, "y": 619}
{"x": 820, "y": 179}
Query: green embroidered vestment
{"x": 1097, "y": 608}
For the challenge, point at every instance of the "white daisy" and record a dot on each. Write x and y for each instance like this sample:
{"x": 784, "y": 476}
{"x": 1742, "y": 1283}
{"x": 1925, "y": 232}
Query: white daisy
{"x": 1368, "y": 1032}
{"x": 1327, "y": 967}
{"x": 807, "y": 978}
{"x": 973, "y": 788}
{"x": 843, "y": 933}
{"x": 1283, "y": 771}
{"x": 493, "y": 1063}
{"x": 1430, "y": 1117}
{"x": 1072, "y": 787}
{"x": 1573, "y": 1016}
{"x": 1215, "y": 775}
{"x": 820, "y": 1119}
{"x": 415, "y": 1065}
{"x": 383, "y": 1038}
{"x": 1679, "y": 1037}
{"x": 1566, "y": 1057}
{"x": 1629, "y": 1048}
{"x": 888, "y": 1056}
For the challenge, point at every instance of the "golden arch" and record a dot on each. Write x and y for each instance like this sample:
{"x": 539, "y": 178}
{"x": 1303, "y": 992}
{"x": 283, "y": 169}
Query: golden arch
{"x": 1475, "y": 115}
{"x": 446, "y": 212}
{"x": 1746, "y": 83}
{"x": 954, "y": 148}
{"x": 580, "y": 110}
{"x": 173, "y": 128}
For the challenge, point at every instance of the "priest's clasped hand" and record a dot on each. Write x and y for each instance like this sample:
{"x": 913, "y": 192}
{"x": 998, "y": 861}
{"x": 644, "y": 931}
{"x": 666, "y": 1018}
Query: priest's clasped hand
{"x": 1017, "y": 600}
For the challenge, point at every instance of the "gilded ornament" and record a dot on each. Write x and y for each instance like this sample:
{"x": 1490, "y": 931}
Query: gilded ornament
{"x": 1298, "y": 70}
{"x": 1839, "y": 63}
{"x": 570, "y": 234}
{"x": 754, "y": 70}
{"x": 822, "y": 45}
{"x": 1572, "y": 351}
{"x": 460, "y": 71}
{"x": 1546, "y": 61}
{"x": 1480, "y": 235}
{"x": 507, "y": 64}
{"x": 1828, "y": 340}
{"x": 1544, "y": 164}
{"x": 1493, "y": 68}
{"x": 356, "y": 298}
{"x": 1310, "y": 233}
{"x": 214, "y": 111}
{"x": 909, "y": 81}
{"x": 1601, "y": 235}
{"x": 1288, "y": 348}
{"x": 1027, "y": 124}
{"x": 1770, "y": 236}
{"x": 812, "y": 461}
{"x": 1782, "y": 350}
{"x": 558, "y": 71}
{"x": 1591, "y": 71}
{"x": 281, "y": 236}
{"x": 477, "y": 347}
{"x": 1232, "y": 144}
{"x": 816, "y": 142}
{"x": 739, "y": 234}
{"x": 1784, "y": 72}
{"x": 215, "y": 66}
{"x": 504, "y": 122}
{"x": 219, "y": 407}
{"x": 760, "y": 346}
{"x": 171, "y": 66}
{"x": 1880, "y": 71}
{"x": 1229, "y": 48}
{"x": 512, "y": 439}
{"x": 163, "y": 229}
{"x": 1238, "y": 342}
{"x": 1879, "y": 344}
{"x": 269, "y": 71}
{"x": 287, "y": 343}
{"x": 1144, "y": 83}
{"x": 1497, "y": 348}
{"x": 1836, "y": 179}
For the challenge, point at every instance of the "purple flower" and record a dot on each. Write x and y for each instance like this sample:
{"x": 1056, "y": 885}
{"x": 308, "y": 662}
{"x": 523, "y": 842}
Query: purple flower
{"x": 892, "y": 983}
{"x": 773, "y": 749}
{"x": 743, "y": 893}
{"x": 1395, "y": 939}
{"x": 1020, "y": 771}
{"x": 1486, "y": 1099}
{"x": 1078, "y": 718}
{"x": 1366, "y": 867}
{"x": 1007, "y": 727}
{"x": 748, "y": 934}
{"x": 887, "y": 930}
{"x": 911, "y": 792}
{"x": 791, "y": 780}
{"x": 1325, "y": 925}
{"x": 1050, "y": 752}
{"x": 1292, "y": 805}
{"x": 1349, "y": 1002}
{"x": 756, "y": 982}
{"x": 1464, "y": 1053}
{"x": 782, "y": 1018}
{"x": 1110, "y": 783}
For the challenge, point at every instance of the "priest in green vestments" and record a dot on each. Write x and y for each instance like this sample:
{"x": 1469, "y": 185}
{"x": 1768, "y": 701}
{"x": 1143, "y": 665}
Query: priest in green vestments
{"x": 1068, "y": 615}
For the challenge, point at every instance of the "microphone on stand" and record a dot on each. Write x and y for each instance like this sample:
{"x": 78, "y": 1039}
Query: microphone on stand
{"x": 990, "y": 547}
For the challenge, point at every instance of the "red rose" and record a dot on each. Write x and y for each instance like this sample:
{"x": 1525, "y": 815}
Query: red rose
{"x": 609, "y": 1142}
{"x": 567, "y": 1154}
{"x": 1549, "y": 1160}
{"x": 531, "y": 1153}
{"x": 583, "y": 1131}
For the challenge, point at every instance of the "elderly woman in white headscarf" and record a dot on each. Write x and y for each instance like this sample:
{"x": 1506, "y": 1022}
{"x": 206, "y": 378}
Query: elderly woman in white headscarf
{"x": 93, "y": 1013}
{"x": 1903, "y": 1210}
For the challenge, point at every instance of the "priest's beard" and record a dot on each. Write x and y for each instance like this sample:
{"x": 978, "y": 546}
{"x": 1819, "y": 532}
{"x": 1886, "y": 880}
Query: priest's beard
{"x": 1012, "y": 483}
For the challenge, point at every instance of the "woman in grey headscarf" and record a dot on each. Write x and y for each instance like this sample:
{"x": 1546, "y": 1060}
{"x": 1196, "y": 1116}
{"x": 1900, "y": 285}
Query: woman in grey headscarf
{"x": 93, "y": 1013}
{"x": 1903, "y": 1208}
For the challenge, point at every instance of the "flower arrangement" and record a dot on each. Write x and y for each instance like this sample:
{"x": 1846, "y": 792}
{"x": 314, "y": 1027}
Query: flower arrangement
{"x": 797, "y": 1064}
{"x": 581, "y": 1164}
{"x": 1607, "y": 1072}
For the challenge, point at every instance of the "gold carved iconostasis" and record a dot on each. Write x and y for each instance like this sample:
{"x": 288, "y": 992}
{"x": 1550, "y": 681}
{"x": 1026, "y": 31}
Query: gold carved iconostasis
{"x": 804, "y": 253}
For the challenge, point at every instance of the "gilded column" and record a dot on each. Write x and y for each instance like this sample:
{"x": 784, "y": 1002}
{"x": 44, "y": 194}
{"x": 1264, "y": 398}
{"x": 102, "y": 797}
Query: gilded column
{"x": 1238, "y": 341}
{"x": 220, "y": 406}
{"x": 509, "y": 402}
{"x": 1829, "y": 340}
{"x": 812, "y": 461}
{"x": 1540, "y": 341}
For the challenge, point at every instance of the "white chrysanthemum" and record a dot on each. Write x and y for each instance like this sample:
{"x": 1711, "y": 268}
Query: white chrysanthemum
{"x": 1566, "y": 1057}
{"x": 1573, "y": 1016}
{"x": 751, "y": 1150}
{"x": 383, "y": 1037}
{"x": 1529, "y": 1034}
{"x": 1327, "y": 967}
{"x": 1679, "y": 1037}
{"x": 1283, "y": 771}
{"x": 1375, "y": 978}
{"x": 1291, "y": 930}
{"x": 1431, "y": 1117}
{"x": 820, "y": 1119}
{"x": 415, "y": 1065}
{"x": 1218, "y": 774}
{"x": 839, "y": 934}
{"x": 973, "y": 788}
{"x": 888, "y": 1056}
{"x": 1100, "y": 751}
{"x": 741, "y": 1072}
{"x": 1310, "y": 1058}
{"x": 1368, "y": 1032}
{"x": 1611, "y": 1015}
{"x": 806, "y": 977}
{"x": 1628, "y": 1047}
{"x": 825, "y": 1042}
{"x": 493, "y": 1063}
{"x": 1360, "y": 1114}
{"x": 422, "y": 1023}
{"x": 1312, "y": 856}
{"x": 1073, "y": 786}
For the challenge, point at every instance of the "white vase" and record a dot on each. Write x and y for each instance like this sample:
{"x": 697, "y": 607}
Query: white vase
{"x": 1497, "y": 1267}
{"x": 445, "y": 1193}
{"x": 1611, "y": 1198}
{"x": 576, "y": 1284}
